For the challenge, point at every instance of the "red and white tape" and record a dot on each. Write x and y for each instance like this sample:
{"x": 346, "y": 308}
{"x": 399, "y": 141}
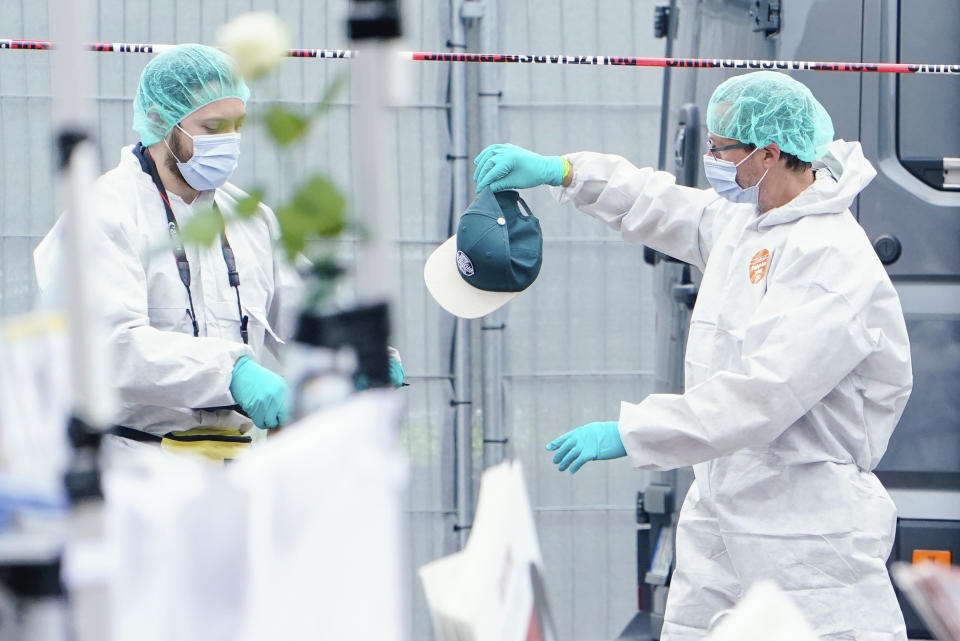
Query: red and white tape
{"x": 615, "y": 61}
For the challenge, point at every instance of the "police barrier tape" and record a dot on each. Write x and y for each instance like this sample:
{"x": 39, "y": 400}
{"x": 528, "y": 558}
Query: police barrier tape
{"x": 616, "y": 61}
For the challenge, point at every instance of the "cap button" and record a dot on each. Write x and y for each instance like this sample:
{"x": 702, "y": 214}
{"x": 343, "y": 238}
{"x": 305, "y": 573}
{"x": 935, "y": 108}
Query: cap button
{"x": 501, "y": 220}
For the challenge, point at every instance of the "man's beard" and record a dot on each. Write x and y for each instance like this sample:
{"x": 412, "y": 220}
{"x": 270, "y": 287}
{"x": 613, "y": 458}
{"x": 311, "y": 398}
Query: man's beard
{"x": 177, "y": 151}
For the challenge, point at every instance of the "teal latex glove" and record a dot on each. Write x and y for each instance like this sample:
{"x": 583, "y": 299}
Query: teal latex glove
{"x": 396, "y": 373}
{"x": 590, "y": 442}
{"x": 260, "y": 393}
{"x": 507, "y": 166}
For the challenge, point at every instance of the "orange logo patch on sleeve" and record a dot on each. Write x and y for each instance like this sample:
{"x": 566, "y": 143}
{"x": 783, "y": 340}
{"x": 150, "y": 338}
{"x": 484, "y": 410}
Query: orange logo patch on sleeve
{"x": 758, "y": 266}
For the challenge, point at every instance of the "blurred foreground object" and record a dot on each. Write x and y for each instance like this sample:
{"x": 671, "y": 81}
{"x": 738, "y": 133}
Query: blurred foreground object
{"x": 934, "y": 591}
{"x": 292, "y": 541}
{"x": 493, "y": 590}
{"x": 764, "y": 614}
{"x": 257, "y": 41}
{"x": 35, "y": 403}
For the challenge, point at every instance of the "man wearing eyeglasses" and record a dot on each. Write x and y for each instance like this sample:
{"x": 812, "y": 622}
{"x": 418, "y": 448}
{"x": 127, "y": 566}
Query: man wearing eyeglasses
{"x": 797, "y": 366}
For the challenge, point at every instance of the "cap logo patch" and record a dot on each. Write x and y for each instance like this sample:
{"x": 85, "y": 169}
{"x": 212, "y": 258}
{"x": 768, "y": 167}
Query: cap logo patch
{"x": 758, "y": 266}
{"x": 464, "y": 264}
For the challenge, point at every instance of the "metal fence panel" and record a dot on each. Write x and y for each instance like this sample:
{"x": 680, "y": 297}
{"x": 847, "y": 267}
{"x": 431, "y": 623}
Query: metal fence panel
{"x": 577, "y": 343}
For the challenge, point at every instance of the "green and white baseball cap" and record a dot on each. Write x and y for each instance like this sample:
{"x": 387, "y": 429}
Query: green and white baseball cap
{"x": 495, "y": 254}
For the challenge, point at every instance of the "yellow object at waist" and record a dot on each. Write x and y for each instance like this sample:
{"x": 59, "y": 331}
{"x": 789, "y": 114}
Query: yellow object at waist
{"x": 215, "y": 444}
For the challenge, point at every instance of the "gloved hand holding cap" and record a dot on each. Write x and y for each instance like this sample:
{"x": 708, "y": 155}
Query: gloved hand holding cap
{"x": 507, "y": 166}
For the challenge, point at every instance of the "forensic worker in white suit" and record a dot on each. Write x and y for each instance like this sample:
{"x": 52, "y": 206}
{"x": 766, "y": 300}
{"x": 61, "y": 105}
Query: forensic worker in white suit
{"x": 797, "y": 366}
{"x": 190, "y": 327}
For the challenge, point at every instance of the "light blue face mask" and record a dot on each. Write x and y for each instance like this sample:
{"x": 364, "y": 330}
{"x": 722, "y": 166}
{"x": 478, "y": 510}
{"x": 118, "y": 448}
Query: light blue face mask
{"x": 722, "y": 176}
{"x": 214, "y": 160}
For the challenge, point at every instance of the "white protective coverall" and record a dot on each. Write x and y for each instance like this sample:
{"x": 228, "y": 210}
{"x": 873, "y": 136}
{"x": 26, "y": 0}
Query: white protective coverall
{"x": 797, "y": 370}
{"x": 162, "y": 372}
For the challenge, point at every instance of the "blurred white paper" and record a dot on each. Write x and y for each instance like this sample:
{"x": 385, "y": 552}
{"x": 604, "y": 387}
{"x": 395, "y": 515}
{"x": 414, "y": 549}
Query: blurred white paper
{"x": 299, "y": 539}
{"x": 178, "y": 533}
{"x": 764, "y": 614}
{"x": 493, "y": 589}
{"x": 326, "y": 535}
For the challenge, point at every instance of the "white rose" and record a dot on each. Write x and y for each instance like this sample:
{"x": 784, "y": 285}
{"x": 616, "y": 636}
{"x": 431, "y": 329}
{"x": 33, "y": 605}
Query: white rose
{"x": 257, "y": 42}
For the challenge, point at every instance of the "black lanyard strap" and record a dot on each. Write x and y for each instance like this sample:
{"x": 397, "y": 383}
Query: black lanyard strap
{"x": 179, "y": 252}
{"x": 233, "y": 276}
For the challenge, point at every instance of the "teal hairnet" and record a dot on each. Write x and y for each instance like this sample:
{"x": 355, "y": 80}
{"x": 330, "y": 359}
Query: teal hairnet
{"x": 178, "y": 82}
{"x": 765, "y": 107}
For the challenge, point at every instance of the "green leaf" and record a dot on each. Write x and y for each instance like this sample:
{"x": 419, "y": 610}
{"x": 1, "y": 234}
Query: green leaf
{"x": 321, "y": 201}
{"x": 316, "y": 210}
{"x": 203, "y": 228}
{"x": 293, "y": 235}
{"x": 285, "y": 126}
{"x": 247, "y": 207}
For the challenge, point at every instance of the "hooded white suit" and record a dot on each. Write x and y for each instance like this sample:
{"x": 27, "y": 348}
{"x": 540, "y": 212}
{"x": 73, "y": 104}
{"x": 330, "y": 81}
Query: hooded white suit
{"x": 797, "y": 371}
{"x": 165, "y": 375}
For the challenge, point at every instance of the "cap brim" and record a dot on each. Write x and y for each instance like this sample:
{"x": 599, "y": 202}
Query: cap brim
{"x": 452, "y": 292}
